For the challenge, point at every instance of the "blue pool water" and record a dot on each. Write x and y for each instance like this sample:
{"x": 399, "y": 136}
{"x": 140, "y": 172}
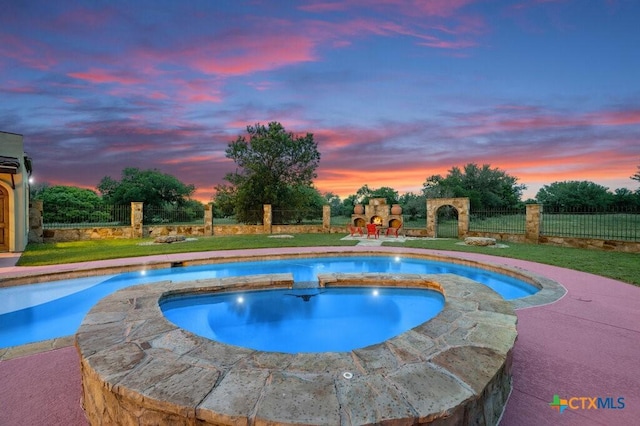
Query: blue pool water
{"x": 335, "y": 319}
{"x": 45, "y": 311}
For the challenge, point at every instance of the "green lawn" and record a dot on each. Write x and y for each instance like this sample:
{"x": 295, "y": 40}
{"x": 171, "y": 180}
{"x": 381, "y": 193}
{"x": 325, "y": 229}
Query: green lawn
{"x": 620, "y": 266}
{"x": 83, "y": 251}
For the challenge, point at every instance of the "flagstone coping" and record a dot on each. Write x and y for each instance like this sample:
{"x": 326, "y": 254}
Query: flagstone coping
{"x": 138, "y": 368}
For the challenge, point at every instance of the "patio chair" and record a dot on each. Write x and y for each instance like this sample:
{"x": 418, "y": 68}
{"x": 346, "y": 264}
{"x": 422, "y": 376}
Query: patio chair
{"x": 372, "y": 229}
{"x": 393, "y": 231}
{"x": 355, "y": 230}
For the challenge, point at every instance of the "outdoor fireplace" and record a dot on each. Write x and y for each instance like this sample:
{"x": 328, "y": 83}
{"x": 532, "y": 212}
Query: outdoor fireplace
{"x": 379, "y": 213}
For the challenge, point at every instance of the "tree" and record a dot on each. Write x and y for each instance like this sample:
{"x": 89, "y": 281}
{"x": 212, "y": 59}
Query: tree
{"x": 433, "y": 188}
{"x": 574, "y": 195}
{"x": 274, "y": 167}
{"x": 348, "y": 204}
{"x": 69, "y": 204}
{"x": 151, "y": 187}
{"x": 335, "y": 204}
{"x": 636, "y": 176}
{"x": 485, "y": 187}
{"x": 223, "y": 201}
{"x": 305, "y": 203}
{"x": 364, "y": 194}
{"x": 624, "y": 198}
{"x": 414, "y": 205}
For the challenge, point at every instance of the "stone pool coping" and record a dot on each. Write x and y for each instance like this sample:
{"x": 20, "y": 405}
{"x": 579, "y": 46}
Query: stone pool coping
{"x": 550, "y": 292}
{"x": 453, "y": 369}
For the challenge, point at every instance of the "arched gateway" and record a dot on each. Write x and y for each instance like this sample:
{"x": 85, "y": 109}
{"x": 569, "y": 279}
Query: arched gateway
{"x": 460, "y": 204}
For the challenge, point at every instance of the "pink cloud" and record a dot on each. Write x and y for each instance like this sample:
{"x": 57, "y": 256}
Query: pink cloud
{"x": 16, "y": 87}
{"x": 487, "y": 123}
{"x": 191, "y": 160}
{"x": 422, "y": 20}
{"x": 96, "y": 75}
{"x": 245, "y": 55}
{"x": 413, "y": 8}
{"x": 158, "y": 95}
{"x": 458, "y": 44}
{"x": 30, "y": 53}
{"x": 616, "y": 118}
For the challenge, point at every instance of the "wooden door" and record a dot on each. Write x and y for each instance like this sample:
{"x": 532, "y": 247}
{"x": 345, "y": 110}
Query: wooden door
{"x": 4, "y": 219}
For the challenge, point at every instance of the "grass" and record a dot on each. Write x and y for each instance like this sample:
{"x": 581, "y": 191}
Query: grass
{"x": 617, "y": 265}
{"x": 84, "y": 251}
{"x": 620, "y": 266}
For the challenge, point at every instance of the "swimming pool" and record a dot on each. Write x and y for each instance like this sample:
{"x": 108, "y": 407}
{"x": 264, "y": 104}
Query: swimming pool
{"x": 45, "y": 311}
{"x": 304, "y": 320}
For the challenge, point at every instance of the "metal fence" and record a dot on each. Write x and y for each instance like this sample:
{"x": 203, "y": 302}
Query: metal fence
{"x": 172, "y": 215}
{"x": 296, "y": 217}
{"x": 90, "y": 217}
{"x": 612, "y": 224}
{"x": 511, "y": 221}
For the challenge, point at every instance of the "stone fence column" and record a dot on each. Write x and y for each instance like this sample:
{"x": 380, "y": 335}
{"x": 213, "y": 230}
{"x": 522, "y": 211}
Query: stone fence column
{"x": 533, "y": 223}
{"x": 326, "y": 218}
{"x": 266, "y": 218}
{"x": 208, "y": 219}
{"x": 136, "y": 220}
{"x": 36, "y": 227}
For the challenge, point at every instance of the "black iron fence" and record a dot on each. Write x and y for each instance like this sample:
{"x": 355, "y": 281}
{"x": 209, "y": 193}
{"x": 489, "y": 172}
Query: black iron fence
{"x": 610, "y": 224}
{"x": 172, "y": 215}
{"x": 296, "y": 217}
{"x": 89, "y": 217}
{"x": 613, "y": 224}
{"x": 512, "y": 221}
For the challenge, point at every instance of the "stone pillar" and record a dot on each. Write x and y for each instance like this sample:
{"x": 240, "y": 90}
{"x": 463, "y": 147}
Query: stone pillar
{"x": 266, "y": 219}
{"x": 431, "y": 219}
{"x": 36, "y": 232}
{"x": 326, "y": 218}
{"x": 533, "y": 223}
{"x": 136, "y": 220}
{"x": 208, "y": 219}
{"x": 463, "y": 217}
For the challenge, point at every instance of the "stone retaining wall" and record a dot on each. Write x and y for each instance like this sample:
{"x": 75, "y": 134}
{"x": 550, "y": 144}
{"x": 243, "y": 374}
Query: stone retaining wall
{"x": 138, "y": 368}
{"x": 531, "y": 235}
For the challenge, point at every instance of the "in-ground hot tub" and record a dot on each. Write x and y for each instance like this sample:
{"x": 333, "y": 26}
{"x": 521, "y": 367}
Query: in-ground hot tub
{"x": 304, "y": 320}
{"x": 137, "y": 367}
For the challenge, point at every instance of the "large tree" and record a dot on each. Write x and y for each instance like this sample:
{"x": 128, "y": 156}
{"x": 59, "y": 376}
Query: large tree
{"x": 486, "y": 187}
{"x": 574, "y": 195}
{"x": 70, "y": 204}
{"x": 274, "y": 167}
{"x": 151, "y": 187}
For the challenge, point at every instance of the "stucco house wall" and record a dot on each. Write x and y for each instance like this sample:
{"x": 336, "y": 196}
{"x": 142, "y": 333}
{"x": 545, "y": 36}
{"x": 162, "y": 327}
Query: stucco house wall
{"x": 15, "y": 224}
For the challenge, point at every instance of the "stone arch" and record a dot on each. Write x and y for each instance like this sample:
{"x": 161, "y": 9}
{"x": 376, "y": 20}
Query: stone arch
{"x": 460, "y": 204}
{"x": 446, "y": 222}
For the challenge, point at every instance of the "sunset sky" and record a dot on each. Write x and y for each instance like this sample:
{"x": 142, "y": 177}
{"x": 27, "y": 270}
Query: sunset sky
{"x": 394, "y": 91}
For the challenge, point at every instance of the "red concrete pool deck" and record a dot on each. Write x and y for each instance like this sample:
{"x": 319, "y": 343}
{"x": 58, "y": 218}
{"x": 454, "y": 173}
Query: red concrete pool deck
{"x": 585, "y": 348}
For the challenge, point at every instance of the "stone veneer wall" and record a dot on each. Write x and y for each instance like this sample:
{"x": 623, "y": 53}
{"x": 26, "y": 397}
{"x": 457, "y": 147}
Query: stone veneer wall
{"x": 137, "y": 230}
{"x": 138, "y": 368}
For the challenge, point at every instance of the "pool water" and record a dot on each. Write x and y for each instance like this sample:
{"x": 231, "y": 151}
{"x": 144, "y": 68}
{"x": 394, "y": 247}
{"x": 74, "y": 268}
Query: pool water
{"x": 311, "y": 320}
{"x": 45, "y": 311}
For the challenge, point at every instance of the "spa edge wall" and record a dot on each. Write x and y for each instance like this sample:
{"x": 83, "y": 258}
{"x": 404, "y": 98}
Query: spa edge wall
{"x": 209, "y": 228}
